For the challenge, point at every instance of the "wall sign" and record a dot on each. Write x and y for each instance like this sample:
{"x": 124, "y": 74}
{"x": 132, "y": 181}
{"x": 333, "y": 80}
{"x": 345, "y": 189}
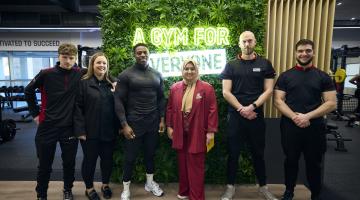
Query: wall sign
{"x": 169, "y": 64}
{"x": 29, "y": 43}
{"x": 166, "y": 37}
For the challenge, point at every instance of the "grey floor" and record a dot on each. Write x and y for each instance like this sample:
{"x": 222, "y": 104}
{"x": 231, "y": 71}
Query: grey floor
{"x": 341, "y": 173}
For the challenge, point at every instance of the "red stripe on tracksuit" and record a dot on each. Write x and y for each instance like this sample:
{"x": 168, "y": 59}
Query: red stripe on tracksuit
{"x": 43, "y": 104}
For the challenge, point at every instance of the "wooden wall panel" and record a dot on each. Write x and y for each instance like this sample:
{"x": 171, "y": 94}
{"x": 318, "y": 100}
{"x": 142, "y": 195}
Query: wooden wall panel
{"x": 291, "y": 20}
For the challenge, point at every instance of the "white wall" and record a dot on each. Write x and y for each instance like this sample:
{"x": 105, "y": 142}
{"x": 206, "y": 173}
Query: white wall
{"x": 42, "y": 41}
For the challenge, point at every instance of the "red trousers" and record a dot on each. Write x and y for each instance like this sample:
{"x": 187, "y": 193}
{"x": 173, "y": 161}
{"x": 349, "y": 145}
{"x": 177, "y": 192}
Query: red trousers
{"x": 191, "y": 173}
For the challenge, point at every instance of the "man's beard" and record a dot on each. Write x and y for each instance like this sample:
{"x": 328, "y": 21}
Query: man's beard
{"x": 304, "y": 63}
{"x": 247, "y": 51}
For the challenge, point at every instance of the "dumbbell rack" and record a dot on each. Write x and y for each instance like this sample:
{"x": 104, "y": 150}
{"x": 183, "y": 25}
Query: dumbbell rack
{"x": 331, "y": 129}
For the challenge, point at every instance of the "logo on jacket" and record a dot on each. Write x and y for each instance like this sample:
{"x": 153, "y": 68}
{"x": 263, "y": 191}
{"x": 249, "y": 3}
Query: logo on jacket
{"x": 198, "y": 96}
{"x": 256, "y": 69}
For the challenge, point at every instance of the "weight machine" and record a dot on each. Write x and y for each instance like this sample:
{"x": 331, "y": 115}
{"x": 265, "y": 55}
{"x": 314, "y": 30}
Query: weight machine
{"x": 84, "y": 54}
{"x": 340, "y": 74}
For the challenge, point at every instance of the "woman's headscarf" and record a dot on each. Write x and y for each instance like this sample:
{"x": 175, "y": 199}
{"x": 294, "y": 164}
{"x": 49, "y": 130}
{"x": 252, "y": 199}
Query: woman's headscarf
{"x": 187, "y": 99}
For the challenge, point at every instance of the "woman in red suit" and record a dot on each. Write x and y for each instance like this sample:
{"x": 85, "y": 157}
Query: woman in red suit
{"x": 192, "y": 120}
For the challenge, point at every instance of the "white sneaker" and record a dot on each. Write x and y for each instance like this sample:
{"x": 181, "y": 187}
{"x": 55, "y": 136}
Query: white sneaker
{"x": 264, "y": 191}
{"x": 125, "y": 195}
{"x": 182, "y": 197}
{"x": 154, "y": 188}
{"x": 229, "y": 193}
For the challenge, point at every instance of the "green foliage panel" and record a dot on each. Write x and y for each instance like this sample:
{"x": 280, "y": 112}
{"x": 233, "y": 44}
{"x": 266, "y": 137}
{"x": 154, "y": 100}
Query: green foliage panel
{"x": 119, "y": 20}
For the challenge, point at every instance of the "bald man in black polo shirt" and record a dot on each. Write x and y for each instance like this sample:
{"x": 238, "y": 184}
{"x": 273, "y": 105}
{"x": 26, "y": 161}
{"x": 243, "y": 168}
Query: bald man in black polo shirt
{"x": 304, "y": 94}
{"x": 247, "y": 84}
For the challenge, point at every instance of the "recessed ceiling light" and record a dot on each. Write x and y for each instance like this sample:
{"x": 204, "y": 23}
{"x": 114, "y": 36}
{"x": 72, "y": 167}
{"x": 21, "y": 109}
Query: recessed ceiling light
{"x": 353, "y": 18}
{"x": 339, "y": 4}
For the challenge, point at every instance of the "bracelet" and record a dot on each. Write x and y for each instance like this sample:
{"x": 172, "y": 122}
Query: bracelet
{"x": 254, "y": 104}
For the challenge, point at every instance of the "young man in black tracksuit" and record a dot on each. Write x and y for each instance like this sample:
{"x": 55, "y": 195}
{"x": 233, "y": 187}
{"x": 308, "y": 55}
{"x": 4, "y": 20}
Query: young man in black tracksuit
{"x": 58, "y": 87}
{"x": 304, "y": 94}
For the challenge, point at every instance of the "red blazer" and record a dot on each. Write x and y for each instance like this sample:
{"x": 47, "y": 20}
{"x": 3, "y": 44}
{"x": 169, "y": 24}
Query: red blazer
{"x": 204, "y": 115}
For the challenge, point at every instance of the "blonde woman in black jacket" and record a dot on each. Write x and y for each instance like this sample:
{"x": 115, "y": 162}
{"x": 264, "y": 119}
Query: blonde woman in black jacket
{"x": 95, "y": 124}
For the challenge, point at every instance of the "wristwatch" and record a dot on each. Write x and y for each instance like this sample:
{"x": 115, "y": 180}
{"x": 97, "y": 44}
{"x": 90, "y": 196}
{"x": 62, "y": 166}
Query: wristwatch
{"x": 254, "y": 104}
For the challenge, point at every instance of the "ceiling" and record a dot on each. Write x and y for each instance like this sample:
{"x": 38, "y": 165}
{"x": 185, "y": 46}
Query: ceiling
{"x": 45, "y": 5}
{"x": 347, "y": 10}
{"x": 84, "y": 13}
{"x": 343, "y": 13}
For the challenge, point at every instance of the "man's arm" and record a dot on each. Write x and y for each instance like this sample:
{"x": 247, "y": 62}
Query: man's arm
{"x": 30, "y": 94}
{"x": 268, "y": 90}
{"x": 228, "y": 96}
{"x": 169, "y": 115}
{"x": 279, "y": 102}
{"x": 161, "y": 105}
{"x": 120, "y": 97}
{"x": 355, "y": 79}
{"x": 79, "y": 120}
{"x": 329, "y": 105}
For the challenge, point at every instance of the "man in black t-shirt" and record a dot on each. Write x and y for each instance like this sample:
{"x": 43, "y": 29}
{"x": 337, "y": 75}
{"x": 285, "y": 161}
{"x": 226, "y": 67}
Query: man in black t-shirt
{"x": 247, "y": 84}
{"x": 304, "y": 94}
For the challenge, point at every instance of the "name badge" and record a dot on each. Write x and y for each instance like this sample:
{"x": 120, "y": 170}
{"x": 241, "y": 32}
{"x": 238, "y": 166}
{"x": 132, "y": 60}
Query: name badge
{"x": 256, "y": 69}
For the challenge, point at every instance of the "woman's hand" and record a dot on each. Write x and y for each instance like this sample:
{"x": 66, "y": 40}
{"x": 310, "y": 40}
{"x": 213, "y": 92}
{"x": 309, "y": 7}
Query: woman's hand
{"x": 209, "y": 137}
{"x": 82, "y": 137}
{"x": 170, "y": 132}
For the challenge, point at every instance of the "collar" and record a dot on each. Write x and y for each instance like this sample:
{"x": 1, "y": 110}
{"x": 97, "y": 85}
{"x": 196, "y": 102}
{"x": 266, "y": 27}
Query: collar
{"x": 240, "y": 58}
{"x": 299, "y": 68}
{"x": 57, "y": 65}
{"x": 185, "y": 84}
{"x": 95, "y": 82}
{"x": 141, "y": 67}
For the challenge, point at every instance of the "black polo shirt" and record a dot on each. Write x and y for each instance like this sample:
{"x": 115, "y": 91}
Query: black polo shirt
{"x": 247, "y": 78}
{"x": 304, "y": 88}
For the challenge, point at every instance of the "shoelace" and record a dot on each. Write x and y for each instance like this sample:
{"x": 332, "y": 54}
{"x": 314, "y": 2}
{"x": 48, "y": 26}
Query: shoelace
{"x": 67, "y": 194}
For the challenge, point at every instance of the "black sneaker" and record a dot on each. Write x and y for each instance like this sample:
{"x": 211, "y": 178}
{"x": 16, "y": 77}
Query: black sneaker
{"x": 106, "y": 191}
{"x": 288, "y": 195}
{"x": 68, "y": 195}
{"x": 41, "y": 197}
{"x": 92, "y": 195}
{"x": 316, "y": 198}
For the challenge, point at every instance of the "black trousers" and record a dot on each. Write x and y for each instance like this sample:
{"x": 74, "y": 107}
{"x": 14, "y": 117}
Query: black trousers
{"x": 357, "y": 95}
{"x": 92, "y": 150}
{"x": 45, "y": 141}
{"x": 148, "y": 141}
{"x": 310, "y": 141}
{"x": 243, "y": 133}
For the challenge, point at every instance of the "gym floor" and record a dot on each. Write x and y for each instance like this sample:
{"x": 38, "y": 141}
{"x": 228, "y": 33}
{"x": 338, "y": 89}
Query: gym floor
{"x": 341, "y": 173}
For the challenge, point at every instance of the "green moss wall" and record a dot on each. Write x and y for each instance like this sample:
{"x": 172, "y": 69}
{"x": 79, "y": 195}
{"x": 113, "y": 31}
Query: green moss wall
{"x": 119, "y": 20}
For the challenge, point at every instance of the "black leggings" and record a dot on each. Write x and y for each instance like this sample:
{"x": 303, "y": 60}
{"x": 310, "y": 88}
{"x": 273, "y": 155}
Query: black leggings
{"x": 251, "y": 133}
{"x": 149, "y": 141}
{"x": 92, "y": 150}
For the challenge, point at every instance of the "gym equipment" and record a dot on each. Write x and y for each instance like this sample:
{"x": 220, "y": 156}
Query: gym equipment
{"x": 340, "y": 75}
{"x": 24, "y": 117}
{"x": 7, "y": 128}
{"x": 331, "y": 129}
{"x": 84, "y": 54}
{"x": 344, "y": 52}
{"x": 351, "y": 119}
